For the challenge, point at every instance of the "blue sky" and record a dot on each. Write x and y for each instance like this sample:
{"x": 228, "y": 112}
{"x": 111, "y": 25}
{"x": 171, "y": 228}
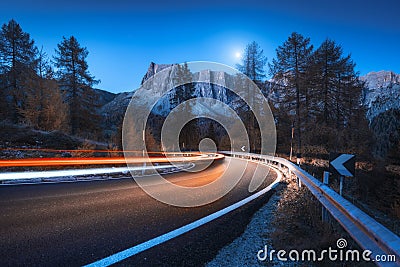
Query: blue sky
{"x": 123, "y": 36}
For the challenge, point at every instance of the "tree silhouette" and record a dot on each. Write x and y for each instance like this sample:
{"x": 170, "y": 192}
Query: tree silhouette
{"x": 183, "y": 92}
{"x": 289, "y": 69}
{"x": 75, "y": 79}
{"x": 253, "y": 62}
{"x": 17, "y": 64}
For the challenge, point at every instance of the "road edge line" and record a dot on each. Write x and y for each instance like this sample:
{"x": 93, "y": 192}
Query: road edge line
{"x": 124, "y": 254}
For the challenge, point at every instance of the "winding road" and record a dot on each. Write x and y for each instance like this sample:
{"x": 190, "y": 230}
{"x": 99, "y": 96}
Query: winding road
{"x": 73, "y": 224}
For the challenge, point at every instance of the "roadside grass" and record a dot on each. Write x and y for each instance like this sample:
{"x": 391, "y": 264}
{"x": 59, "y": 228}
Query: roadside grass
{"x": 298, "y": 225}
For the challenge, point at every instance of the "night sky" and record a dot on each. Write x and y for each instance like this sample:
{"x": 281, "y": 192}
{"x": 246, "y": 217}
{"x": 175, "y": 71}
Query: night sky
{"x": 123, "y": 36}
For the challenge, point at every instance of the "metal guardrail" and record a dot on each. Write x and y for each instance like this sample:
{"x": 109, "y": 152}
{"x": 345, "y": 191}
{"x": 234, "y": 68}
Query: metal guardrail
{"x": 366, "y": 231}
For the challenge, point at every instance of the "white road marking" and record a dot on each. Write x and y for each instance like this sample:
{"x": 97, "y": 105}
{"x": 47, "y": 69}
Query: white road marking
{"x": 119, "y": 256}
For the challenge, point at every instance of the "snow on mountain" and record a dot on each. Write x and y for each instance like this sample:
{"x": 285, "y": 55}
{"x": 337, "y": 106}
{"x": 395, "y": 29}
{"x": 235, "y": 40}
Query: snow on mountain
{"x": 381, "y": 79}
{"x": 210, "y": 84}
{"x": 160, "y": 89}
{"x": 159, "y": 86}
{"x": 381, "y": 92}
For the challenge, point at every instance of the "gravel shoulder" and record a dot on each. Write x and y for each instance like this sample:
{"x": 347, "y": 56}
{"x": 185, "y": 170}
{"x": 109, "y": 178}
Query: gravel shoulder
{"x": 243, "y": 250}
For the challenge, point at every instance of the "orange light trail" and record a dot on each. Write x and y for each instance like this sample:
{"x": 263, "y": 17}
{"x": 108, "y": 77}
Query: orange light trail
{"x": 81, "y": 150}
{"x": 34, "y": 162}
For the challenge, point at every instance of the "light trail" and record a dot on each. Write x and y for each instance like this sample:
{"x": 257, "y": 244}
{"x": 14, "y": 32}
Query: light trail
{"x": 45, "y": 162}
{"x": 85, "y": 151}
{"x": 65, "y": 150}
{"x": 79, "y": 172}
{"x": 98, "y": 151}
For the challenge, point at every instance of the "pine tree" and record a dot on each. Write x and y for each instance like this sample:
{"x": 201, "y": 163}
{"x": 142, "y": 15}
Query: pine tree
{"x": 17, "y": 63}
{"x": 253, "y": 62}
{"x": 75, "y": 79}
{"x": 183, "y": 78}
{"x": 336, "y": 82}
{"x": 289, "y": 69}
{"x": 337, "y": 107}
{"x": 183, "y": 92}
{"x": 326, "y": 92}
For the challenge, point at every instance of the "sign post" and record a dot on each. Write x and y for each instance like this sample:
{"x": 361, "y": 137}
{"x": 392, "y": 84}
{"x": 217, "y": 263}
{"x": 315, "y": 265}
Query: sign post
{"x": 341, "y": 185}
{"x": 144, "y": 146}
{"x": 325, "y": 214}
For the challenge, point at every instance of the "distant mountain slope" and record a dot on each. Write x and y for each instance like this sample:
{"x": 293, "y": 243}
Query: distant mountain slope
{"x": 382, "y": 99}
{"x": 382, "y": 92}
{"x": 162, "y": 91}
{"x": 113, "y": 111}
{"x": 103, "y": 97}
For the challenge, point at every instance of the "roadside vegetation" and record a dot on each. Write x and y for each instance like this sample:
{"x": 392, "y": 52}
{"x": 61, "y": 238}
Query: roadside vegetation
{"x": 298, "y": 226}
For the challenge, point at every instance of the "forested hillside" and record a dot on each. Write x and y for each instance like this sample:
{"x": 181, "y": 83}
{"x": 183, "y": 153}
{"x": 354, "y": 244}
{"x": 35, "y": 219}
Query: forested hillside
{"x": 48, "y": 93}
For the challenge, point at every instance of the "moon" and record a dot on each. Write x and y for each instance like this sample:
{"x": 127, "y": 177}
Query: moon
{"x": 238, "y": 55}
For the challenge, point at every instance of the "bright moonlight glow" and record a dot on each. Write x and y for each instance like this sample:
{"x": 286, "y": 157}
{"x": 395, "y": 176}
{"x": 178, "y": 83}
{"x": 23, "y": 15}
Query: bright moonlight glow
{"x": 238, "y": 55}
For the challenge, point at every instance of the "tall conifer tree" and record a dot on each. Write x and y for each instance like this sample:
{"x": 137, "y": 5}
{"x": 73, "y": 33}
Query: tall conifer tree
{"x": 289, "y": 69}
{"x": 17, "y": 64}
{"x": 76, "y": 80}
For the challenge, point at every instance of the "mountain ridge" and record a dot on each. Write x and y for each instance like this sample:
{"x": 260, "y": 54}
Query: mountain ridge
{"x": 381, "y": 93}
{"x": 380, "y": 87}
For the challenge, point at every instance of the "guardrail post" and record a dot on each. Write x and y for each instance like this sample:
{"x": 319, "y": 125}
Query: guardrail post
{"x": 325, "y": 214}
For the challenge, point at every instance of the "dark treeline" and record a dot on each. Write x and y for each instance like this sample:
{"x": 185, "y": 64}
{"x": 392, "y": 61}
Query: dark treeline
{"x": 316, "y": 98}
{"x": 47, "y": 94}
{"x": 315, "y": 95}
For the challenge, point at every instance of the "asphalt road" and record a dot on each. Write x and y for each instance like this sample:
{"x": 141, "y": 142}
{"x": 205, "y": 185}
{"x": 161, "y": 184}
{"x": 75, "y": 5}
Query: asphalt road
{"x": 72, "y": 224}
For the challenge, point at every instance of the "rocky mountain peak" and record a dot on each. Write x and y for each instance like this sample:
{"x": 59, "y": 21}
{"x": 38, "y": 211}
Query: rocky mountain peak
{"x": 153, "y": 69}
{"x": 380, "y": 79}
{"x": 381, "y": 93}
